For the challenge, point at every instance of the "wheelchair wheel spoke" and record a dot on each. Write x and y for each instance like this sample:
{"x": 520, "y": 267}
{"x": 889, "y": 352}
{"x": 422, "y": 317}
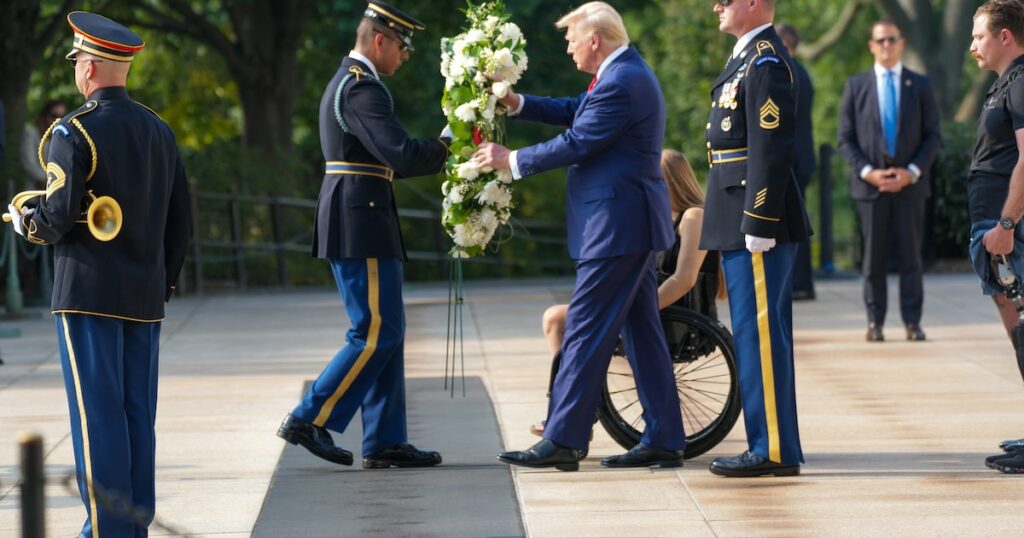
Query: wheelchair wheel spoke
{"x": 614, "y": 392}
{"x": 631, "y": 404}
{"x": 717, "y": 397}
{"x": 707, "y": 379}
{"x": 705, "y": 409}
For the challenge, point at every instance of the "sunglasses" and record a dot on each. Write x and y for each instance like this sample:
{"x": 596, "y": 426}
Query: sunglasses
{"x": 724, "y": 3}
{"x": 402, "y": 45}
{"x": 74, "y": 61}
{"x": 892, "y": 40}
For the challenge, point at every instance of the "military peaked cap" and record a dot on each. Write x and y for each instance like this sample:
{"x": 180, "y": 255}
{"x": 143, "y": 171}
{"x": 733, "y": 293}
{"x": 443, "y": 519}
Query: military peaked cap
{"x": 103, "y": 37}
{"x": 402, "y": 24}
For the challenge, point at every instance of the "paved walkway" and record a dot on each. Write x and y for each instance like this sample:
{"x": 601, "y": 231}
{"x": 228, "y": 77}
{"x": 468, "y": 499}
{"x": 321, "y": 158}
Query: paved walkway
{"x": 894, "y": 433}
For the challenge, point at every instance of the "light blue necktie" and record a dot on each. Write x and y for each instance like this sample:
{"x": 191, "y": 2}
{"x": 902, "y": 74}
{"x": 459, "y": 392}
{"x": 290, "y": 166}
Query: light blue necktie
{"x": 889, "y": 114}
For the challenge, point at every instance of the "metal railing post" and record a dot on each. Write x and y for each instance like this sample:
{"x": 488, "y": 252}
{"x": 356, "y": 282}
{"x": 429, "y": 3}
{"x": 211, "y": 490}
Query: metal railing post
{"x": 33, "y": 483}
{"x": 236, "y": 239}
{"x": 275, "y": 227}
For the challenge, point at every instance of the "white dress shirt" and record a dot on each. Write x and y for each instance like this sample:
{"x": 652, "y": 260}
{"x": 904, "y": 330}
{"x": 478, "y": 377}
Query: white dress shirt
{"x": 897, "y": 74}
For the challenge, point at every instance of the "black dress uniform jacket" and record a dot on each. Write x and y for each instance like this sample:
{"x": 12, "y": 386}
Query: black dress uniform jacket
{"x": 751, "y": 134}
{"x": 113, "y": 146}
{"x": 356, "y": 214}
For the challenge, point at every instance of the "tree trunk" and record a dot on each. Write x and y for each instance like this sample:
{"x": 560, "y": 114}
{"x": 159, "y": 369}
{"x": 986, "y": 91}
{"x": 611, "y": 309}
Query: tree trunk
{"x": 261, "y": 49}
{"x": 24, "y": 33}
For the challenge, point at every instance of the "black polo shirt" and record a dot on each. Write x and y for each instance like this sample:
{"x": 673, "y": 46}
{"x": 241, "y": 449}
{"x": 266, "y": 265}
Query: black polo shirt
{"x": 995, "y": 152}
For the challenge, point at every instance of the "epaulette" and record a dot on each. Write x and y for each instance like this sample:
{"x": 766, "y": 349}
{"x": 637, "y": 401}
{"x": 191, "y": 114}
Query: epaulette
{"x": 358, "y": 72}
{"x": 151, "y": 111}
{"x": 765, "y": 45}
{"x": 766, "y": 53}
{"x": 59, "y": 127}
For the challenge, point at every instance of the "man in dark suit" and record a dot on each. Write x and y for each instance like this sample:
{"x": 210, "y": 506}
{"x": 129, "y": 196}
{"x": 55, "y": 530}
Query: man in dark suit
{"x": 618, "y": 217}
{"x": 889, "y": 135}
{"x": 111, "y": 278}
{"x": 804, "y": 158}
{"x": 357, "y": 231}
{"x": 755, "y": 217}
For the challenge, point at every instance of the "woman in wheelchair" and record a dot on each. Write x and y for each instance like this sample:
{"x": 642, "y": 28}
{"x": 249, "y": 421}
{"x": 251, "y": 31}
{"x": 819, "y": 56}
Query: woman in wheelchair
{"x": 680, "y": 269}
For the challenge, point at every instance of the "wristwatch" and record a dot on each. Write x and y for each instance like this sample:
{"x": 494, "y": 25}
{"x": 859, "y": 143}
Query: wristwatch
{"x": 1007, "y": 222}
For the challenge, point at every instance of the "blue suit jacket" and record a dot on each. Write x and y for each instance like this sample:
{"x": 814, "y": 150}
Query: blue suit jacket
{"x": 616, "y": 200}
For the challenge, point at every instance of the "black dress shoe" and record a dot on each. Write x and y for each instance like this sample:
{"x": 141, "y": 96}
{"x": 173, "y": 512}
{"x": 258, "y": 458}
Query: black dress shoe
{"x": 645, "y": 456}
{"x": 874, "y": 333}
{"x": 750, "y": 464}
{"x": 545, "y": 453}
{"x": 401, "y": 455}
{"x": 914, "y": 332}
{"x": 313, "y": 438}
{"x": 1007, "y": 462}
{"x": 1011, "y": 444}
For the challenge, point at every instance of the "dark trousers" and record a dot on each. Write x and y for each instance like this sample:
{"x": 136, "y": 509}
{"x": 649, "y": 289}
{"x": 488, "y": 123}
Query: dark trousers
{"x": 900, "y": 217}
{"x": 613, "y": 296}
{"x": 369, "y": 372}
{"x": 110, "y": 373}
{"x": 761, "y": 306}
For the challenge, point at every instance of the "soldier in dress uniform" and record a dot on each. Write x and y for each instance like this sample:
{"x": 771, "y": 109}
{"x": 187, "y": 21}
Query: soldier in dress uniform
{"x": 754, "y": 215}
{"x": 357, "y": 231}
{"x": 113, "y": 275}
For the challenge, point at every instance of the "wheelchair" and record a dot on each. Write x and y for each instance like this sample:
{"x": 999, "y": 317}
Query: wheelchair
{"x": 704, "y": 364}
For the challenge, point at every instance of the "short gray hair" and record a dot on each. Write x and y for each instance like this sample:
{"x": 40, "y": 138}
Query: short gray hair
{"x": 597, "y": 18}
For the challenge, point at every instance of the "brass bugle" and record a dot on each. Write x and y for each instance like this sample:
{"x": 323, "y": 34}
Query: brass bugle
{"x": 19, "y": 200}
{"x": 102, "y": 214}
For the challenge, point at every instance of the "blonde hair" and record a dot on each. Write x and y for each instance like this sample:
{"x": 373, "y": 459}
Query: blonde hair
{"x": 597, "y": 18}
{"x": 683, "y": 190}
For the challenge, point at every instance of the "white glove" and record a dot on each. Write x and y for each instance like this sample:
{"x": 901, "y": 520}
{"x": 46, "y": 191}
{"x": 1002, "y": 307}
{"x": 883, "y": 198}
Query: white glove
{"x": 447, "y": 133}
{"x": 757, "y": 244}
{"x": 17, "y": 218}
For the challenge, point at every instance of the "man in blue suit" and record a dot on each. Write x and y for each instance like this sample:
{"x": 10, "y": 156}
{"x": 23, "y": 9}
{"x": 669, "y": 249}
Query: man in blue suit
{"x": 618, "y": 216}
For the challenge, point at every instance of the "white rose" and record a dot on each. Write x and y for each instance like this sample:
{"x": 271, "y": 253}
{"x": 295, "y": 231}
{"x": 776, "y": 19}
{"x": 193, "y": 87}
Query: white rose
{"x": 459, "y": 47}
{"x": 504, "y": 175}
{"x": 455, "y": 195}
{"x": 466, "y": 112}
{"x": 500, "y": 89}
{"x": 503, "y": 57}
{"x": 494, "y": 193}
{"x": 491, "y": 23}
{"x": 510, "y": 32}
{"x": 480, "y": 78}
{"x": 474, "y": 36}
{"x": 468, "y": 171}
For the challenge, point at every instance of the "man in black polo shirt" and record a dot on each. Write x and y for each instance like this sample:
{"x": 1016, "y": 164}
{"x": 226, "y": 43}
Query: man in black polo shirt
{"x": 995, "y": 183}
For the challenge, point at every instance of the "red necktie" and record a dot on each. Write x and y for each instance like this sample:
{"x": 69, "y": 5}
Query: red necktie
{"x": 593, "y": 82}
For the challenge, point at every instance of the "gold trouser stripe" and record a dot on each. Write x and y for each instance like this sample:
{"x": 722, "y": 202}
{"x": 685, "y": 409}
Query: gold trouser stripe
{"x": 93, "y": 514}
{"x": 373, "y": 300}
{"x": 764, "y": 336}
